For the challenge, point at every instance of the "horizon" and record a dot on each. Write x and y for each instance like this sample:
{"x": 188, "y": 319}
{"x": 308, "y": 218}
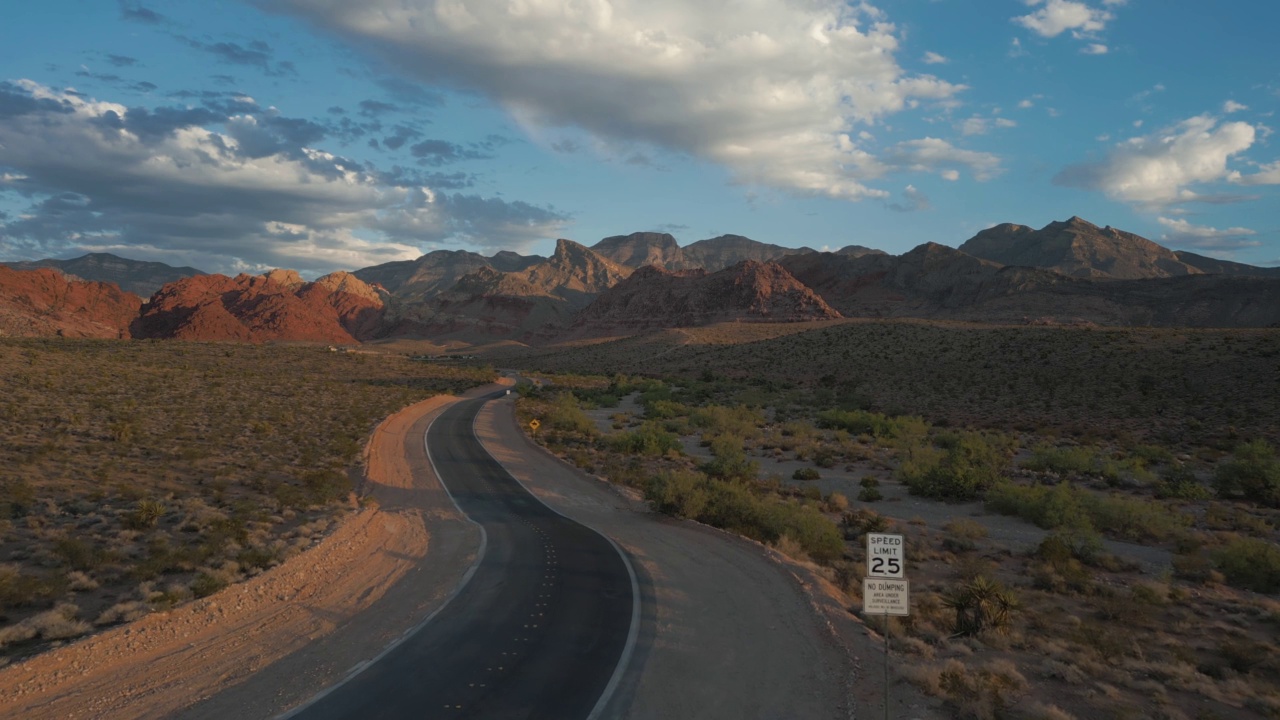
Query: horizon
{"x": 284, "y": 133}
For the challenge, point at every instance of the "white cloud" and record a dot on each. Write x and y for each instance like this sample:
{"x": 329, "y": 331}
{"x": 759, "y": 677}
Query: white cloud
{"x": 933, "y": 58}
{"x": 936, "y": 155}
{"x": 1184, "y": 234}
{"x": 1094, "y": 49}
{"x": 912, "y": 201}
{"x": 1059, "y": 16}
{"x": 977, "y": 125}
{"x": 1231, "y": 106}
{"x": 1266, "y": 175}
{"x": 1157, "y": 169}
{"x": 774, "y": 90}
{"x": 96, "y": 179}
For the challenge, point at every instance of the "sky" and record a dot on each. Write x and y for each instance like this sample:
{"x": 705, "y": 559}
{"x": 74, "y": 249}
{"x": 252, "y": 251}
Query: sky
{"x": 237, "y": 136}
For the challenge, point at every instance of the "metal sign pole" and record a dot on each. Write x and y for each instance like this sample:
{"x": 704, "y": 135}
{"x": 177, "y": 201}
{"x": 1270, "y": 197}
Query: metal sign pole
{"x": 886, "y": 665}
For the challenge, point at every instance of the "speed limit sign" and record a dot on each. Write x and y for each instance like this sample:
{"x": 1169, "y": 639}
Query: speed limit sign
{"x": 886, "y": 556}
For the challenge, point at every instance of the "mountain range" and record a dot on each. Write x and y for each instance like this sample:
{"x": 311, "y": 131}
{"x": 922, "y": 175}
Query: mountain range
{"x": 1066, "y": 272}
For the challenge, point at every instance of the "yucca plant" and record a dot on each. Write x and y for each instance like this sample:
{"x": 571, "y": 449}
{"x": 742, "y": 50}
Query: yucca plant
{"x": 981, "y": 604}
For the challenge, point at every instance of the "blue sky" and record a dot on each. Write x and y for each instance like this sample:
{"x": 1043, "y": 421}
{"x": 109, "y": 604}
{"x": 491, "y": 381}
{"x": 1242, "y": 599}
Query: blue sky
{"x": 321, "y": 135}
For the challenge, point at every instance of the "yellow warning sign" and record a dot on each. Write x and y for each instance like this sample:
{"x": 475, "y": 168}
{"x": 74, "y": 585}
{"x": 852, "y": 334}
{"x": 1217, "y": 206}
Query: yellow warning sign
{"x": 534, "y": 424}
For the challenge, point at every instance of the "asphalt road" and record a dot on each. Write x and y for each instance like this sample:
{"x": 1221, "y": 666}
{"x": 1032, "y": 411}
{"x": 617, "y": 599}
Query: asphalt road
{"x": 536, "y": 632}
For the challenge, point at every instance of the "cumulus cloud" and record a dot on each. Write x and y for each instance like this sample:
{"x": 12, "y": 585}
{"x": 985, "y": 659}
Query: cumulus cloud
{"x": 1266, "y": 175}
{"x": 912, "y": 201}
{"x": 1231, "y": 106}
{"x": 1184, "y": 234}
{"x": 1058, "y": 16}
{"x": 1157, "y": 169}
{"x": 941, "y": 157}
{"x": 773, "y": 90}
{"x": 933, "y": 58}
{"x": 99, "y": 175}
{"x": 978, "y": 125}
{"x": 1095, "y": 49}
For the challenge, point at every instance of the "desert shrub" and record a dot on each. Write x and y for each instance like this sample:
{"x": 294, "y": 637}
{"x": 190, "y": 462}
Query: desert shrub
{"x": 806, "y": 473}
{"x": 648, "y": 439}
{"x": 566, "y": 414}
{"x": 78, "y": 553}
{"x": 679, "y": 493}
{"x": 1063, "y": 460}
{"x": 870, "y": 494}
{"x": 729, "y": 462}
{"x": 17, "y": 497}
{"x": 963, "y": 535}
{"x": 1253, "y": 473}
{"x": 145, "y": 515}
{"x": 970, "y": 464}
{"x": 1250, "y": 563}
{"x": 206, "y": 584}
{"x": 981, "y": 604}
{"x": 1063, "y": 559}
{"x": 325, "y": 486}
{"x": 837, "y": 502}
{"x": 1179, "y": 483}
{"x": 122, "y": 613}
{"x": 665, "y": 410}
{"x": 739, "y": 421}
{"x": 860, "y": 522}
{"x": 739, "y": 508}
{"x": 1066, "y": 506}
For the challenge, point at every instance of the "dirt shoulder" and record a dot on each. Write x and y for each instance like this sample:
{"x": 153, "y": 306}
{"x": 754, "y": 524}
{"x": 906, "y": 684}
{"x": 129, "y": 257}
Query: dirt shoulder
{"x": 730, "y": 629}
{"x": 268, "y": 644}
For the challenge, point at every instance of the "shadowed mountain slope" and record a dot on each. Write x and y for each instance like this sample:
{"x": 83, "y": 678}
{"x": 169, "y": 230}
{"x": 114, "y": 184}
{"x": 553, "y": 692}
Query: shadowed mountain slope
{"x": 134, "y": 276}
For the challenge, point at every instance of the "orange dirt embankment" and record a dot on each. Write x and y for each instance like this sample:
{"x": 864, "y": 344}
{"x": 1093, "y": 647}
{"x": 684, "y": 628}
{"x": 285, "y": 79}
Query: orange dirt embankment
{"x": 167, "y": 661}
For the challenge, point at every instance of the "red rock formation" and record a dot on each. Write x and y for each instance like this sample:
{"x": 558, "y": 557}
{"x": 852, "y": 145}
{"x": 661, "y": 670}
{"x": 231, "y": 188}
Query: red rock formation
{"x": 748, "y": 292}
{"x": 43, "y": 302}
{"x": 278, "y": 306}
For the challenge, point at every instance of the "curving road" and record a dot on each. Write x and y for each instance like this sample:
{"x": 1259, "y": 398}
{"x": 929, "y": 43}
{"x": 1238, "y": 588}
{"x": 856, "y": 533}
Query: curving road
{"x": 540, "y": 627}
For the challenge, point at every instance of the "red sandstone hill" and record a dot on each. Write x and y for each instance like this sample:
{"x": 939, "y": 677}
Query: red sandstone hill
{"x": 749, "y": 291}
{"x": 337, "y": 308}
{"x": 44, "y": 302}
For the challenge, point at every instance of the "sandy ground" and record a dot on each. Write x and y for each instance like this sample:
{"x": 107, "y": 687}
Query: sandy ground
{"x": 269, "y": 643}
{"x": 731, "y": 629}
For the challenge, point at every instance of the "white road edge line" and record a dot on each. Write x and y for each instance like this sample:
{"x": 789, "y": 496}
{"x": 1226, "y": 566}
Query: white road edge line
{"x": 634, "y": 632}
{"x": 466, "y": 578}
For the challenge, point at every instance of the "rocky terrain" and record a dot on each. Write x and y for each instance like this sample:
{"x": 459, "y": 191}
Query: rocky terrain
{"x": 337, "y": 308}
{"x": 1077, "y": 248}
{"x": 134, "y": 276}
{"x": 525, "y": 305}
{"x": 749, "y": 291}
{"x": 1070, "y": 272}
{"x": 45, "y": 302}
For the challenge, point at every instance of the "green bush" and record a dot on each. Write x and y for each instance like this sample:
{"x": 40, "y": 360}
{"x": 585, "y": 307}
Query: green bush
{"x": 648, "y": 439}
{"x": 1254, "y": 473}
{"x": 1066, "y": 506}
{"x": 806, "y": 473}
{"x": 205, "y": 585}
{"x": 1249, "y": 563}
{"x": 1179, "y": 483}
{"x": 739, "y": 508}
{"x": 740, "y": 421}
{"x": 678, "y": 493}
{"x": 968, "y": 467}
{"x": 567, "y": 415}
{"x": 728, "y": 461}
{"x": 861, "y": 422}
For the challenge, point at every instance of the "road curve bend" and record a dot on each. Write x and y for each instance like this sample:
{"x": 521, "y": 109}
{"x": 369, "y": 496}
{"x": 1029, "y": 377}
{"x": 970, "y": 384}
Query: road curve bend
{"x": 540, "y": 627}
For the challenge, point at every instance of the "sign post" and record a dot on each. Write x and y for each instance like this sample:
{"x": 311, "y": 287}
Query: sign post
{"x": 885, "y": 589}
{"x": 534, "y": 424}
